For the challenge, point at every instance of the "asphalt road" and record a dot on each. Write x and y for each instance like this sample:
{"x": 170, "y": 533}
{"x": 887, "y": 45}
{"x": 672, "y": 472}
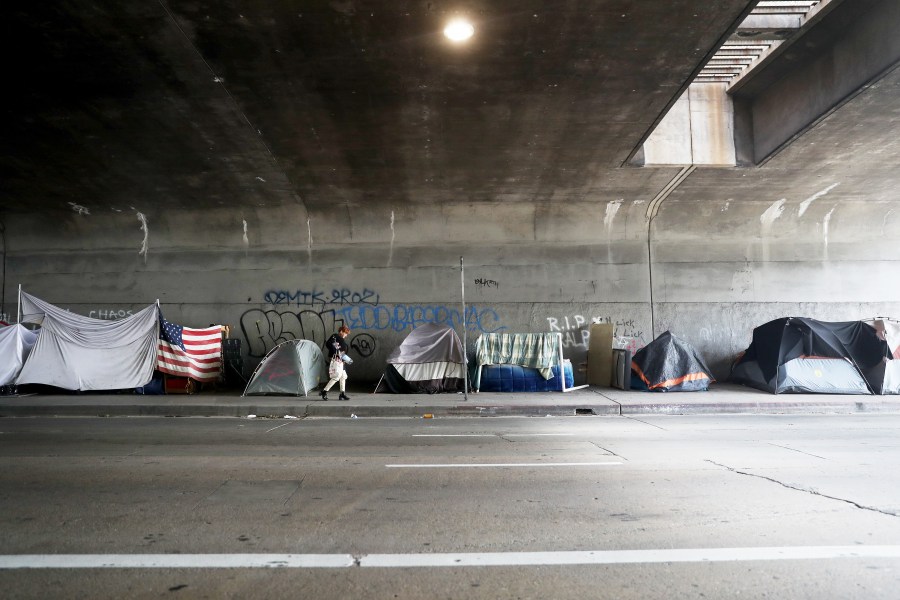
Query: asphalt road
{"x": 571, "y": 507}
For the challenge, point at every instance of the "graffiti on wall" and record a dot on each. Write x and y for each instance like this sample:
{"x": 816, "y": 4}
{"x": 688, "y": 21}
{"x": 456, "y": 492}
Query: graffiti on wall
{"x": 403, "y": 317}
{"x": 360, "y": 311}
{"x": 265, "y": 329}
{"x": 576, "y": 331}
{"x": 109, "y": 314}
{"x": 487, "y": 283}
{"x": 336, "y": 296}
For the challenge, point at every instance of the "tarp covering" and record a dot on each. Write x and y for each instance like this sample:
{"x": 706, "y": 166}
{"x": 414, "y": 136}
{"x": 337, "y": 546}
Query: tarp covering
{"x": 536, "y": 350}
{"x": 430, "y": 360}
{"x": 292, "y": 368}
{"x": 16, "y": 343}
{"x": 669, "y": 364}
{"x": 889, "y": 331}
{"x": 778, "y": 342}
{"x": 80, "y": 353}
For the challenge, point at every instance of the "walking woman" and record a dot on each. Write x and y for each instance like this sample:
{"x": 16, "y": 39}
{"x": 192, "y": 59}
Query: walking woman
{"x": 337, "y": 351}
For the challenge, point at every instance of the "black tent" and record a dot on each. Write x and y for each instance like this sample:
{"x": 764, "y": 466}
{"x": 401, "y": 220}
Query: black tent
{"x": 801, "y": 355}
{"x": 668, "y": 364}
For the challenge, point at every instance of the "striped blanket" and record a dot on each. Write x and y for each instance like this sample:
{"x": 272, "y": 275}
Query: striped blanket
{"x": 535, "y": 350}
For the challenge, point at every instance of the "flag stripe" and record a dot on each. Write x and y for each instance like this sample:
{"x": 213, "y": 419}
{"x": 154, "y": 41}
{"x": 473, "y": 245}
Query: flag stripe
{"x": 204, "y": 331}
{"x": 201, "y": 346}
{"x": 173, "y": 359}
{"x": 202, "y": 338}
{"x": 173, "y": 356}
{"x": 205, "y": 355}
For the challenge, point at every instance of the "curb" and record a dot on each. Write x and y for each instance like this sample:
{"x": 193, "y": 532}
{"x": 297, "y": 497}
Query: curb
{"x": 762, "y": 408}
{"x": 472, "y": 409}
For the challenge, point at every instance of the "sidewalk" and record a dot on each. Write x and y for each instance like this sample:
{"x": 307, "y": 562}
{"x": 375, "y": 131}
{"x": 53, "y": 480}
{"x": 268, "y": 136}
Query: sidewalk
{"x": 720, "y": 399}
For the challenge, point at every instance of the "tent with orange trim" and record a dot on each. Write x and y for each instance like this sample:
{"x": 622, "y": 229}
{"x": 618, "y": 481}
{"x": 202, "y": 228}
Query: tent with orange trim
{"x": 668, "y": 364}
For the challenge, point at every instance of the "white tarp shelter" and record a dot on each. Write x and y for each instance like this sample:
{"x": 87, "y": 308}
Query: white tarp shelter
{"x": 16, "y": 343}
{"x": 79, "y": 353}
{"x": 430, "y": 360}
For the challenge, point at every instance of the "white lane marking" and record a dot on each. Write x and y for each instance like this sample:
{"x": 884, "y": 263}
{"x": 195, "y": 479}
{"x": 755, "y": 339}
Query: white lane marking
{"x": 457, "y": 465}
{"x": 491, "y": 434}
{"x": 278, "y": 427}
{"x": 454, "y": 435}
{"x": 174, "y": 561}
{"x": 535, "y": 434}
{"x": 462, "y": 559}
{"x": 609, "y": 557}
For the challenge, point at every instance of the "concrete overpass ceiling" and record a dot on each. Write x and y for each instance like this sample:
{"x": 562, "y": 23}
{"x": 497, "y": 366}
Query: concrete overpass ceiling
{"x": 768, "y": 25}
{"x": 848, "y": 157}
{"x": 116, "y": 106}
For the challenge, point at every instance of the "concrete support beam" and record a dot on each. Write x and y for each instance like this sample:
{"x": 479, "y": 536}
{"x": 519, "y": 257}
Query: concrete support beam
{"x": 852, "y": 46}
{"x": 697, "y": 131}
{"x": 768, "y": 26}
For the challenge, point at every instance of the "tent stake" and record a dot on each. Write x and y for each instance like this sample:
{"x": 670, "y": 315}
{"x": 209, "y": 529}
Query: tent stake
{"x": 462, "y": 287}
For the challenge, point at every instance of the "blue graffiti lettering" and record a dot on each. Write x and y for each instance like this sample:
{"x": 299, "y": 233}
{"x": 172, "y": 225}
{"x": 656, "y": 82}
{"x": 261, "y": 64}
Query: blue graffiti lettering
{"x": 409, "y": 316}
{"x": 341, "y": 296}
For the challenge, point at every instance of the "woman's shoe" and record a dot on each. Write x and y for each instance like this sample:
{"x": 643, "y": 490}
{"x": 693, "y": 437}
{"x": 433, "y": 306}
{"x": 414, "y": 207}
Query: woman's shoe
{"x": 343, "y": 396}
{"x": 324, "y": 395}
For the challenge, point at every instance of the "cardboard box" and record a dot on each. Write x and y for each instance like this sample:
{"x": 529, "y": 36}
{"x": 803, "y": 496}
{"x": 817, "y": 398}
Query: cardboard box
{"x": 599, "y": 368}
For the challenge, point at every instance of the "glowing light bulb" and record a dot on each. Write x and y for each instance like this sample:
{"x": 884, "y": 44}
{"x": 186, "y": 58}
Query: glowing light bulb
{"x": 459, "y": 30}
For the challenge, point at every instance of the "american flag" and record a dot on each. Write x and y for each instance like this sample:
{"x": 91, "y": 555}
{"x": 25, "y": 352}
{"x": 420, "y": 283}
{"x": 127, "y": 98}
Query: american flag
{"x": 186, "y": 352}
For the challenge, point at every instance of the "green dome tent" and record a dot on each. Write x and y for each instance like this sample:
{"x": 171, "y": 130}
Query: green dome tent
{"x": 292, "y": 368}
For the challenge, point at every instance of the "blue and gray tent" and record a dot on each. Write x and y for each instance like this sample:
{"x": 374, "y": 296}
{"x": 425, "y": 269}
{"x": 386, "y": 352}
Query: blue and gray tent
{"x": 801, "y": 355}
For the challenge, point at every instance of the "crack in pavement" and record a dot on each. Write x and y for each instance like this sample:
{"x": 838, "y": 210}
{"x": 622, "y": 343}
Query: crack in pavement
{"x": 795, "y": 450}
{"x": 630, "y": 418}
{"x": 299, "y": 485}
{"x": 608, "y": 451}
{"x": 618, "y": 404}
{"x": 807, "y": 490}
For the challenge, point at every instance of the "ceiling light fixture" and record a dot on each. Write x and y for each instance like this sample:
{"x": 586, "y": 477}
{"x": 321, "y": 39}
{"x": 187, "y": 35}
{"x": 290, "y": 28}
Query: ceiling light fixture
{"x": 459, "y": 30}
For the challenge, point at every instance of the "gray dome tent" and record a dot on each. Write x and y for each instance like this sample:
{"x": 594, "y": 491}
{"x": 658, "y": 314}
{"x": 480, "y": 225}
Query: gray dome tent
{"x": 292, "y": 368}
{"x": 430, "y": 360}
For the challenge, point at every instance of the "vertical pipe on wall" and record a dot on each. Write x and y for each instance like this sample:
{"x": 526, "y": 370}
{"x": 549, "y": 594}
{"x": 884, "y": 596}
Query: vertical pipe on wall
{"x": 462, "y": 288}
{"x": 652, "y": 209}
{"x": 3, "y": 282}
{"x": 650, "y": 279}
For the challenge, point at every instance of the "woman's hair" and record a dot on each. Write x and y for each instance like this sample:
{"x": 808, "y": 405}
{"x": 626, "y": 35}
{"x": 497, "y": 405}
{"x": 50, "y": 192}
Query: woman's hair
{"x": 344, "y": 329}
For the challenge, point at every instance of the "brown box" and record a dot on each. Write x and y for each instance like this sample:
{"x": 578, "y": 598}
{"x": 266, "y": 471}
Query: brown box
{"x": 599, "y": 367}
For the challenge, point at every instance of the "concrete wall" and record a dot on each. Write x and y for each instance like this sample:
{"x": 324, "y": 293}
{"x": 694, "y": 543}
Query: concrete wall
{"x": 528, "y": 268}
{"x": 737, "y": 262}
{"x": 725, "y": 258}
